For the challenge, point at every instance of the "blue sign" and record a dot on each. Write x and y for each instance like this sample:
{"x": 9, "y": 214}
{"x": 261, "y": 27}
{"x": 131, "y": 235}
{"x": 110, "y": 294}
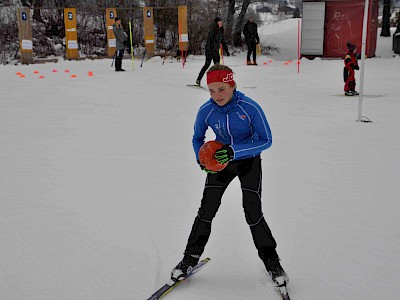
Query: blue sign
{"x": 24, "y": 17}
{"x": 111, "y": 15}
{"x": 149, "y": 13}
{"x": 70, "y": 16}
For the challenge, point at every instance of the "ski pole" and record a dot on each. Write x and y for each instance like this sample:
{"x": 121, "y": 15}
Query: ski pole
{"x": 112, "y": 63}
{"x": 130, "y": 34}
{"x": 144, "y": 54}
{"x": 221, "y": 54}
{"x": 165, "y": 55}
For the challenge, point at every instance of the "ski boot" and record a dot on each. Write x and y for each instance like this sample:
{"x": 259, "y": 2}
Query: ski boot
{"x": 355, "y": 93}
{"x": 184, "y": 267}
{"x": 276, "y": 272}
{"x": 348, "y": 93}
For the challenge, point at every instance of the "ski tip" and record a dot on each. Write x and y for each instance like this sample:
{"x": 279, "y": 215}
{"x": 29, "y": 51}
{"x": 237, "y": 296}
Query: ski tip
{"x": 197, "y": 86}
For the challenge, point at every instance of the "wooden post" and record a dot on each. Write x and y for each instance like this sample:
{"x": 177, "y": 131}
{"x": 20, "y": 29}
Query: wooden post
{"x": 148, "y": 30}
{"x": 183, "y": 28}
{"x": 111, "y": 13}
{"x": 25, "y": 35}
{"x": 71, "y": 34}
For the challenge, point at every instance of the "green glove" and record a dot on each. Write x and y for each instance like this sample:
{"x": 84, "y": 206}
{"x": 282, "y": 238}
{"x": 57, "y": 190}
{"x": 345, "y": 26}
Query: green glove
{"x": 207, "y": 170}
{"x": 224, "y": 154}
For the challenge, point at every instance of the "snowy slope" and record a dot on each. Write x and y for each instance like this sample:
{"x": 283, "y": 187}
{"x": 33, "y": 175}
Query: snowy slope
{"x": 99, "y": 185}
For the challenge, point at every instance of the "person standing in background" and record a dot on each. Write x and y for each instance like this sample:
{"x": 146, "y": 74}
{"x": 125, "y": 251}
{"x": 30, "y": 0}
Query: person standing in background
{"x": 121, "y": 39}
{"x": 252, "y": 39}
{"x": 350, "y": 65}
{"x": 215, "y": 40}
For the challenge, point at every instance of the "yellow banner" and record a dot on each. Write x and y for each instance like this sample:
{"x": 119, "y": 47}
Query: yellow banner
{"x": 71, "y": 33}
{"x": 258, "y": 49}
{"x": 183, "y": 28}
{"x": 111, "y": 14}
{"x": 148, "y": 30}
{"x": 25, "y": 35}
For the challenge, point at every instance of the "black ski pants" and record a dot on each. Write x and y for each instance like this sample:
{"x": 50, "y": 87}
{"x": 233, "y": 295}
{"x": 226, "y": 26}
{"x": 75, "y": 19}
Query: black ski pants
{"x": 119, "y": 54}
{"x": 249, "y": 173}
{"x": 210, "y": 56}
{"x": 251, "y": 48}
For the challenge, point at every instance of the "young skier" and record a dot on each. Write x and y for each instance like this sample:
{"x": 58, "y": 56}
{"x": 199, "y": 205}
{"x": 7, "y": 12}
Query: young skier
{"x": 240, "y": 124}
{"x": 121, "y": 39}
{"x": 252, "y": 39}
{"x": 215, "y": 40}
{"x": 350, "y": 64}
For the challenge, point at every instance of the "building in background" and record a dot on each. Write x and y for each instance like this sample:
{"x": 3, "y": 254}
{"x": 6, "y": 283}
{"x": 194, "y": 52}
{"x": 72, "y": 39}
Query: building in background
{"x": 327, "y": 26}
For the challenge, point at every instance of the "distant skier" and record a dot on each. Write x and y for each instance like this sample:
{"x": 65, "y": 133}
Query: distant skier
{"x": 350, "y": 64}
{"x": 240, "y": 124}
{"x": 121, "y": 40}
{"x": 215, "y": 40}
{"x": 252, "y": 40}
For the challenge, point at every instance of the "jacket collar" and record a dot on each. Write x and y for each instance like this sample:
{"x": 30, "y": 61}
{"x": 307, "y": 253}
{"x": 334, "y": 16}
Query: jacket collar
{"x": 230, "y": 105}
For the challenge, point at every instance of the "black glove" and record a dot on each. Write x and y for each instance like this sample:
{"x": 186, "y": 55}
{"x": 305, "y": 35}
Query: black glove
{"x": 224, "y": 154}
{"x": 355, "y": 67}
{"x": 228, "y": 54}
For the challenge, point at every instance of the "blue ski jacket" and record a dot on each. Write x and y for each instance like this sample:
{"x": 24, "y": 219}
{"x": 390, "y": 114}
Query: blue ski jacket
{"x": 240, "y": 123}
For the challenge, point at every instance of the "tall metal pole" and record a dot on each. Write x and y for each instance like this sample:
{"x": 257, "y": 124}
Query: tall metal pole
{"x": 363, "y": 53}
{"x": 131, "y": 43}
{"x": 298, "y": 46}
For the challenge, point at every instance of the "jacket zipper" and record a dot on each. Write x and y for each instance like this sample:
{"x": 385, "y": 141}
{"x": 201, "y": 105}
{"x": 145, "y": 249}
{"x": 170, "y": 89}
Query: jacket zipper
{"x": 227, "y": 127}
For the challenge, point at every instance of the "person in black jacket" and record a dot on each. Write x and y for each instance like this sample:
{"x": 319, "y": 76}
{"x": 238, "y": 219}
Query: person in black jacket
{"x": 252, "y": 39}
{"x": 214, "y": 41}
{"x": 121, "y": 39}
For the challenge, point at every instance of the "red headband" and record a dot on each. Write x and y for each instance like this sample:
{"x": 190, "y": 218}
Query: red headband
{"x": 220, "y": 76}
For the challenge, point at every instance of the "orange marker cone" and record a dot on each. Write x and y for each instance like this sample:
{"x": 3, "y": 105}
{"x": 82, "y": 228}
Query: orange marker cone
{"x": 22, "y": 76}
{"x": 66, "y": 71}
{"x": 265, "y": 63}
{"x": 270, "y": 61}
{"x": 41, "y": 77}
{"x": 54, "y": 71}
{"x": 18, "y": 73}
{"x": 90, "y": 74}
{"x": 73, "y": 76}
{"x": 36, "y": 72}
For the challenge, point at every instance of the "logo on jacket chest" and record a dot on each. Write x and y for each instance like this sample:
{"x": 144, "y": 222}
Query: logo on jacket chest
{"x": 241, "y": 117}
{"x": 220, "y": 129}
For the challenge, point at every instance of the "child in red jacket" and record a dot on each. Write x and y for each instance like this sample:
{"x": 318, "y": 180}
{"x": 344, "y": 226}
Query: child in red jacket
{"x": 350, "y": 64}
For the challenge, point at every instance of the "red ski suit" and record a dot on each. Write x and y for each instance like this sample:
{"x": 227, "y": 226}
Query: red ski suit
{"x": 350, "y": 64}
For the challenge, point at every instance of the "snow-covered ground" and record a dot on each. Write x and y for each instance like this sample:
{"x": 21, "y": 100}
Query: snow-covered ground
{"x": 99, "y": 185}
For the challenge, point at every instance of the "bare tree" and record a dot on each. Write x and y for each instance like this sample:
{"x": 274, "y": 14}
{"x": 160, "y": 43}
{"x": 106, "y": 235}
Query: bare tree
{"x": 237, "y": 35}
{"x": 229, "y": 21}
{"x": 386, "y": 18}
